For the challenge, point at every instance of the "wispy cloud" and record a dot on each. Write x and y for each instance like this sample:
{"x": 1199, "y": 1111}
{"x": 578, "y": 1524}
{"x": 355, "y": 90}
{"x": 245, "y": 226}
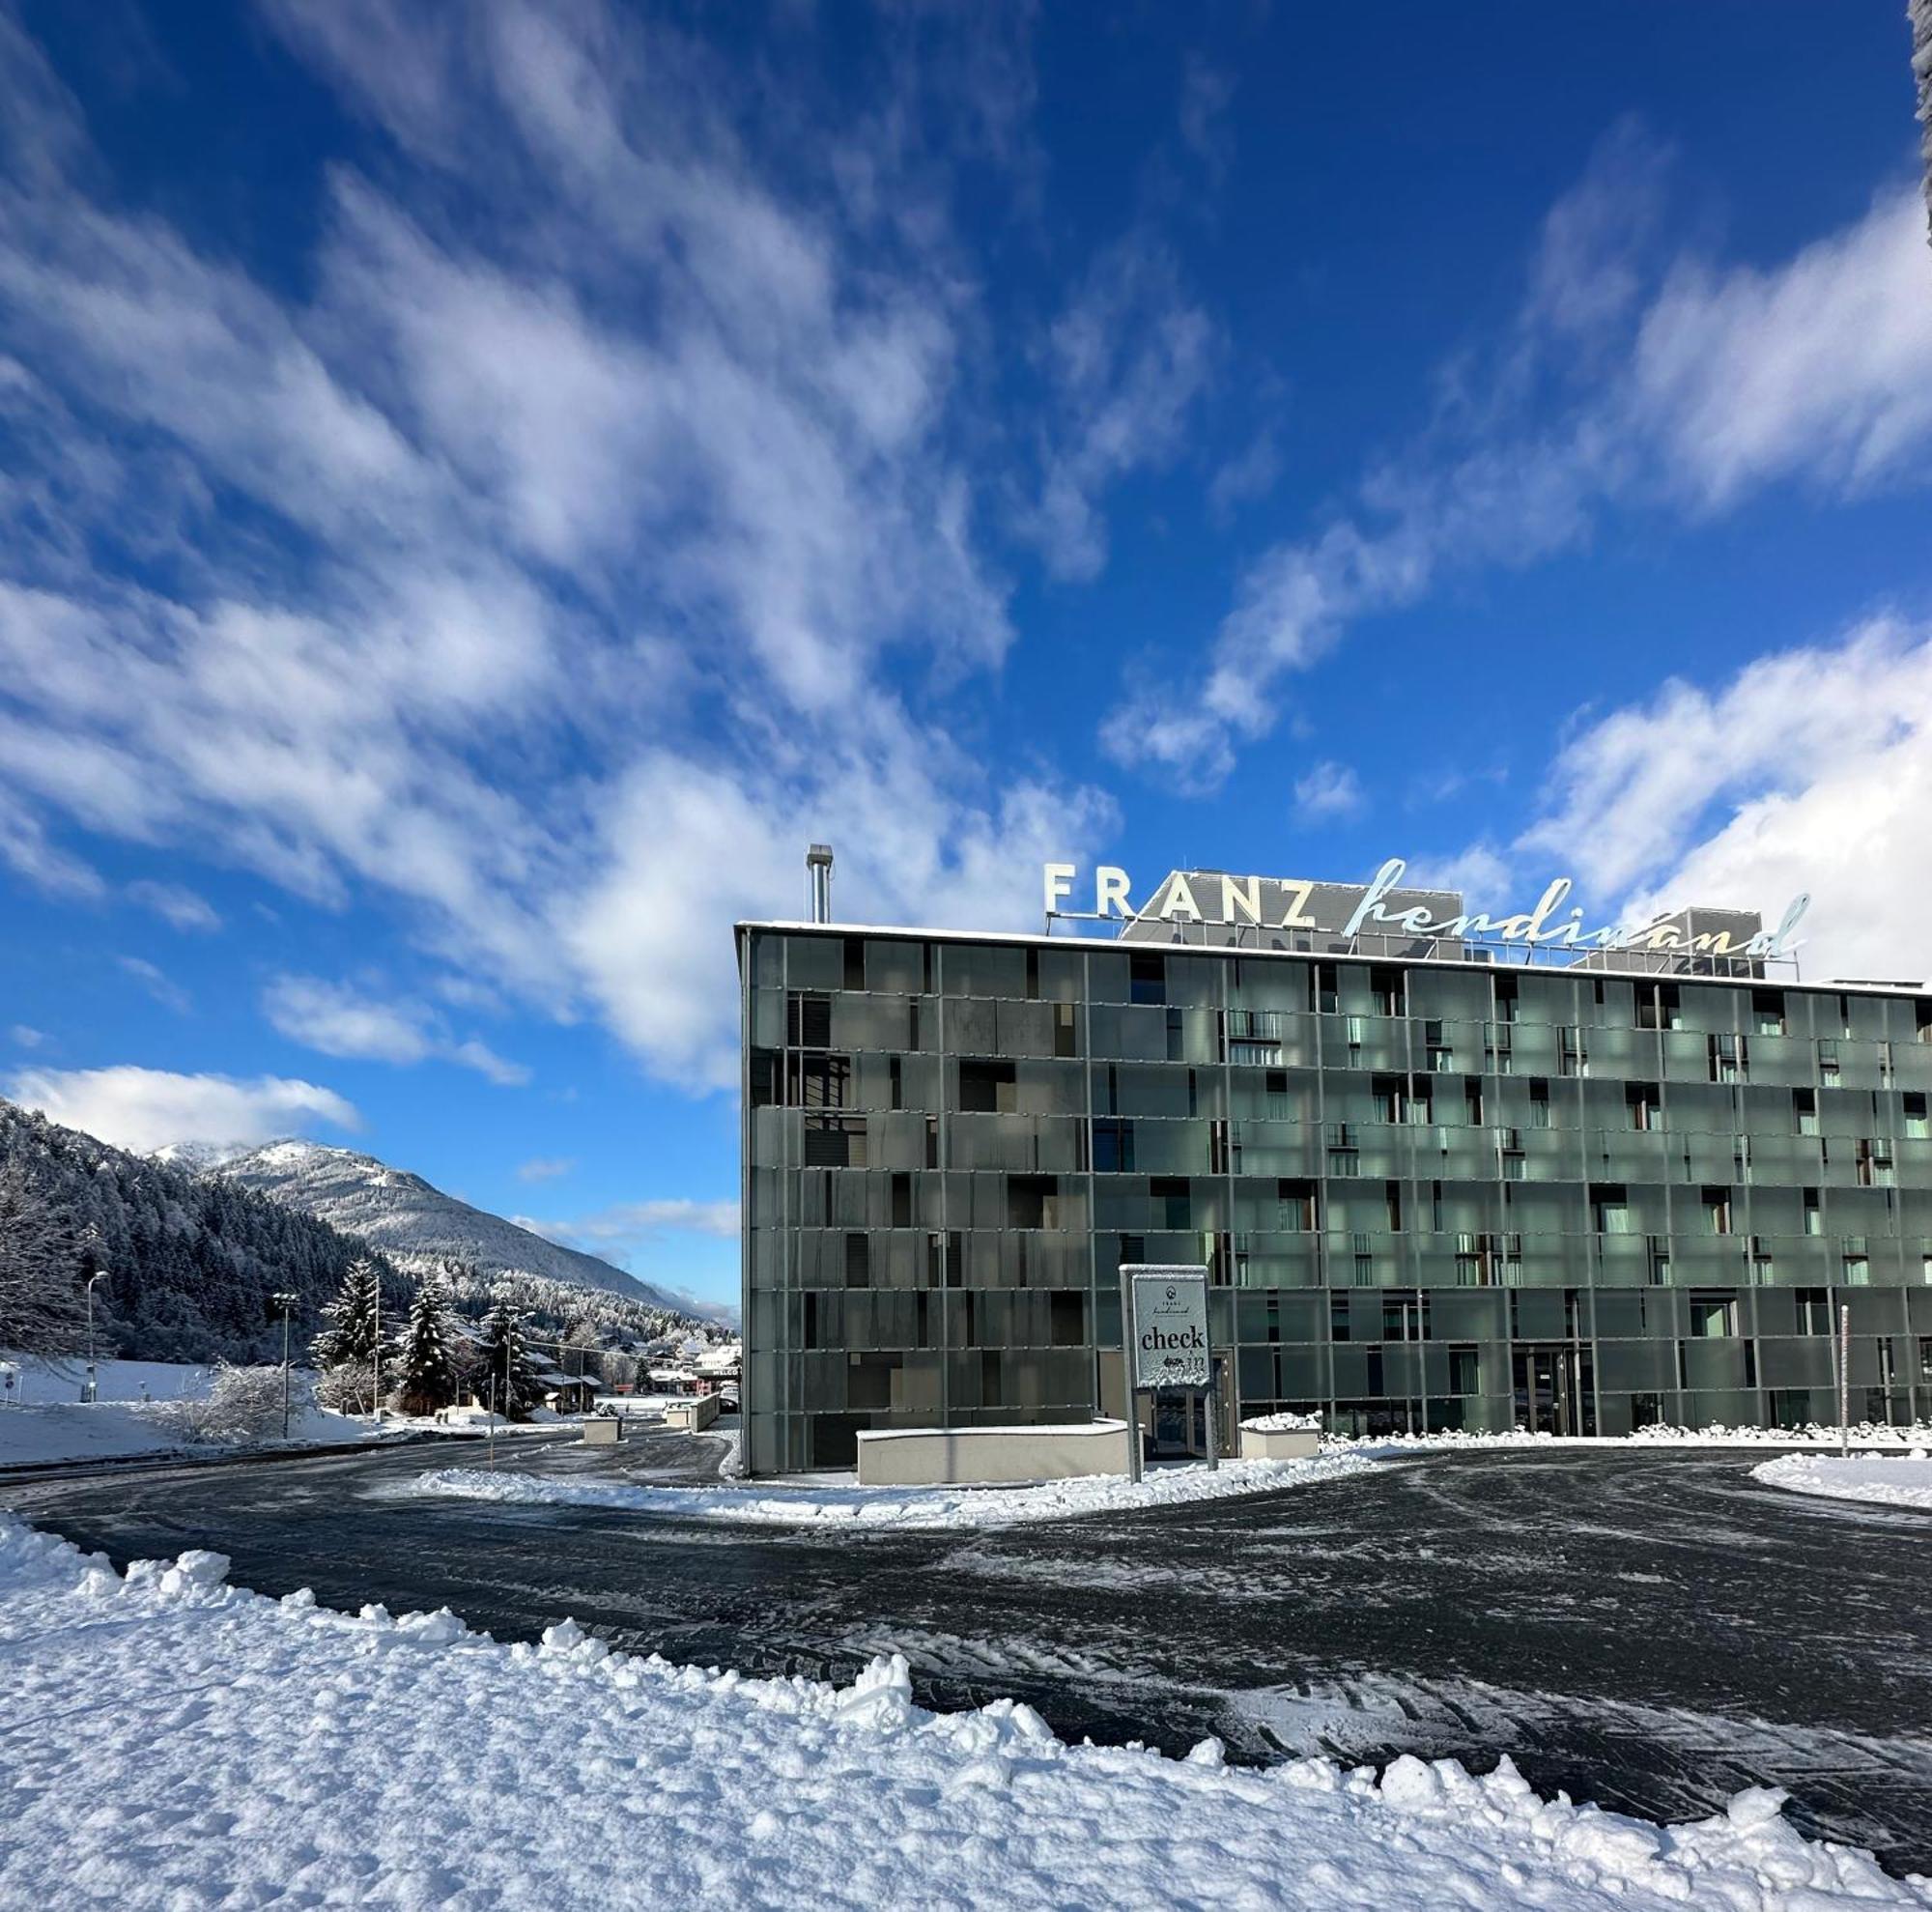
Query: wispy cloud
{"x": 157, "y": 982}
{"x": 26, "y": 1037}
{"x": 614, "y": 462}
{"x": 175, "y": 904}
{"x": 635, "y": 1222}
{"x": 1677, "y": 386}
{"x": 340, "y": 1020}
{"x": 147, "y": 1109}
{"x": 545, "y": 1168}
{"x": 1328, "y": 792}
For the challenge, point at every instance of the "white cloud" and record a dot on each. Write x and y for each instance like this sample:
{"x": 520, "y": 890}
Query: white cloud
{"x": 1811, "y": 771}
{"x": 1683, "y": 388}
{"x": 147, "y": 1109}
{"x": 338, "y": 1019}
{"x": 176, "y": 905}
{"x": 1128, "y": 359}
{"x": 620, "y": 460}
{"x": 1249, "y": 474}
{"x": 157, "y": 982}
{"x": 545, "y": 1168}
{"x": 1328, "y": 792}
{"x": 24, "y": 1037}
{"x": 635, "y": 1222}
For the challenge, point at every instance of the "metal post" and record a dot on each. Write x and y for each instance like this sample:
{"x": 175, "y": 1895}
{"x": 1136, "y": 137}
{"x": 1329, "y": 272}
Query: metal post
{"x": 1845, "y": 1380}
{"x": 92, "y": 1391}
{"x": 1132, "y": 1393}
{"x": 376, "y": 1384}
{"x": 492, "y": 1425}
{"x": 285, "y": 1302}
{"x": 1213, "y": 1401}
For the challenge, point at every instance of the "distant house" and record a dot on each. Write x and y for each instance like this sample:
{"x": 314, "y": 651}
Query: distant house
{"x": 567, "y": 1393}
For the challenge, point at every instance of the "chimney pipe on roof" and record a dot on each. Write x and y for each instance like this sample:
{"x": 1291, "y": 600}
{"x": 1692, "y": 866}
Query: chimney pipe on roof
{"x": 818, "y": 861}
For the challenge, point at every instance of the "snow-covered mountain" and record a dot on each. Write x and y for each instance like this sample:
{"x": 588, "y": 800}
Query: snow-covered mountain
{"x": 417, "y": 1225}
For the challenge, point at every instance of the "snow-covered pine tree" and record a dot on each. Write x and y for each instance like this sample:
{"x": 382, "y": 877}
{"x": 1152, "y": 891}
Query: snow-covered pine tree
{"x": 41, "y": 1310}
{"x": 506, "y": 1378}
{"x": 425, "y": 1367}
{"x": 345, "y": 1351}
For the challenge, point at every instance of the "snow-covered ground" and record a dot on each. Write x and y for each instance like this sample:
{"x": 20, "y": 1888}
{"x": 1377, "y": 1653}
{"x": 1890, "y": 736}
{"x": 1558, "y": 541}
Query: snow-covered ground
{"x": 59, "y": 1383}
{"x": 235, "y": 1750}
{"x": 1888, "y": 1480}
{"x": 813, "y": 1502}
{"x": 1867, "y": 1436}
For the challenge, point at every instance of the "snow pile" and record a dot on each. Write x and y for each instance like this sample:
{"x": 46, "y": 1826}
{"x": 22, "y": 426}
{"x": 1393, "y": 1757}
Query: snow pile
{"x": 1283, "y": 1423}
{"x": 810, "y": 1504}
{"x": 102, "y": 1431}
{"x": 247, "y": 1751}
{"x": 1888, "y": 1480}
{"x": 1868, "y": 1434}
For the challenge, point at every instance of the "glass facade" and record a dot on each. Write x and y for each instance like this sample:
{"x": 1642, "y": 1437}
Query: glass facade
{"x": 1429, "y": 1193}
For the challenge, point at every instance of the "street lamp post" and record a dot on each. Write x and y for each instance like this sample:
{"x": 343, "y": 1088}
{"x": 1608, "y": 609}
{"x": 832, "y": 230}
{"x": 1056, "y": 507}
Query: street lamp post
{"x": 285, "y": 1302}
{"x": 92, "y": 1390}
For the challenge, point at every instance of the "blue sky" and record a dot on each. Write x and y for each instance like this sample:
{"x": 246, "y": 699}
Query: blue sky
{"x": 484, "y": 486}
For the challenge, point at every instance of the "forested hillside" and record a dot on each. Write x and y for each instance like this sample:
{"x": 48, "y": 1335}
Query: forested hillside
{"x": 190, "y": 1261}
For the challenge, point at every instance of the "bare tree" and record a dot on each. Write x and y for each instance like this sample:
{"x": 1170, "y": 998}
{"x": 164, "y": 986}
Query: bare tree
{"x": 41, "y": 1307}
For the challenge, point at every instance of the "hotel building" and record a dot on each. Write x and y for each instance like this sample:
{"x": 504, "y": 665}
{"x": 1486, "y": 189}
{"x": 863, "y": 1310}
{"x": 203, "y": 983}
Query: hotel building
{"x": 1434, "y": 1185}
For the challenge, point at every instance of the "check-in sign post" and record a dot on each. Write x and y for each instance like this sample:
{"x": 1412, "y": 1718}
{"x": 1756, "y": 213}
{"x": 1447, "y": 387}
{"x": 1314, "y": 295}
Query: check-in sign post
{"x": 1164, "y": 1332}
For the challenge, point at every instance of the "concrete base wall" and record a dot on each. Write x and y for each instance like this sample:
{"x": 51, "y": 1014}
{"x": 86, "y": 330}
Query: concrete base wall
{"x": 1286, "y": 1445}
{"x": 691, "y": 1416}
{"x": 603, "y": 1431}
{"x": 941, "y": 1457}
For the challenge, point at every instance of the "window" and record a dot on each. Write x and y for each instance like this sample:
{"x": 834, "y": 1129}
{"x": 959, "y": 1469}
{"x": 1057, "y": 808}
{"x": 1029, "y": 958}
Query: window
{"x": 1828, "y": 1062}
{"x": 1173, "y": 1202}
{"x": 1441, "y": 1059}
{"x": 1714, "y": 1317}
{"x": 1804, "y": 1110}
{"x": 1658, "y": 1010}
{"x": 1572, "y": 1058}
{"x": 1067, "y": 1318}
{"x": 1814, "y": 1310}
{"x": 1506, "y": 1002}
{"x": 902, "y": 1200}
{"x": 1385, "y": 1096}
{"x": 1539, "y": 1104}
{"x": 1295, "y": 1202}
{"x": 987, "y": 1086}
{"x": 835, "y": 1141}
{"x": 1392, "y": 1201}
{"x": 807, "y": 1020}
{"x": 1609, "y": 1211}
{"x": 1032, "y": 1201}
{"x": 1858, "y": 1264}
{"x": 1338, "y": 1317}
{"x": 1146, "y": 978}
{"x": 1472, "y": 1102}
{"x": 1343, "y": 1156}
{"x": 1725, "y": 1057}
{"x": 1914, "y": 1117}
{"x": 858, "y": 1261}
{"x": 1113, "y": 1147}
{"x": 895, "y": 1077}
{"x": 1327, "y": 996}
{"x": 1644, "y": 1105}
{"x": 1464, "y": 1372}
{"x": 1768, "y": 1011}
{"x": 1063, "y": 1030}
{"x": 1874, "y": 1164}
{"x": 1717, "y": 1205}
{"x": 855, "y": 963}
{"x": 1385, "y": 987}
{"x": 1814, "y": 1223}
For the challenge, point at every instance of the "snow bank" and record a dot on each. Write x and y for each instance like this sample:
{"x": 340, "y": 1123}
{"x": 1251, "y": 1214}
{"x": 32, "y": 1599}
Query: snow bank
{"x": 244, "y": 1751}
{"x": 58, "y": 1382}
{"x": 808, "y": 1505}
{"x": 1283, "y": 1422}
{"x": 102, "y": 1430}
{"x": 1869, "y": 1435}
{"x": 1886, "y": 1480}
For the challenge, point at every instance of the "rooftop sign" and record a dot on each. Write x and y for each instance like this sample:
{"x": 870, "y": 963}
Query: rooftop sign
{"x": 1276, "y": 903}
